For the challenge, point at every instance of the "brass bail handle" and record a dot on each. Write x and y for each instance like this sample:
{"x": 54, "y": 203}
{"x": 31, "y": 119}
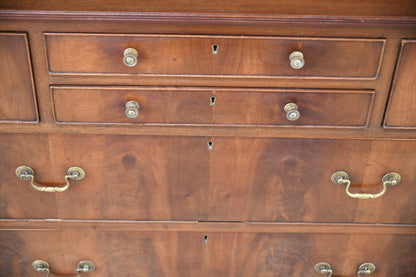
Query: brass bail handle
{"x": 83, "y": 267}
{"x": 26, "y": 173}
{"x": 323, "y": 268}
{"x": 342, "y": 177}
{"x": 366, "y": 268}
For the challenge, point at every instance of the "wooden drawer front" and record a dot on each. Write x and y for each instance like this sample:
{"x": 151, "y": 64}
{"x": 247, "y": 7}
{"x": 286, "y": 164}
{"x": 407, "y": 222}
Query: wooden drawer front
{"x": 179, "y": 178}
{"x": 131, "y": 253}
{"x": 401, "y": 110}
{"x": 193, "y": 55}
{"x": 16, "y": 83}
{"x": 195, "y": 106}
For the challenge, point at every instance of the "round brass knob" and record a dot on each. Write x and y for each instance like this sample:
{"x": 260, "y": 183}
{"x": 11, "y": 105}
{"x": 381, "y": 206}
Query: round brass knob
{"x": 132, "y": 109}
{"x": 130, "y": 57}
{"x": 292, "y": 112}
{"x": 296, "y": 60}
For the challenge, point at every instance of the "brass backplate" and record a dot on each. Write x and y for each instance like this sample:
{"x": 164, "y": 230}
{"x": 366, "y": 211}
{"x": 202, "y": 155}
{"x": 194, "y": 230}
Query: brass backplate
{"x": 77, "y": 172}
{"x": 390, "y": 177}
{"x": 338, "y": 176}
{"x": 322, "y": 266}
{"x": 23, "y": 171}
{"x": 86, "y": 264}
{"x": 40, "y": 265}
{"x": 367, "y": 266}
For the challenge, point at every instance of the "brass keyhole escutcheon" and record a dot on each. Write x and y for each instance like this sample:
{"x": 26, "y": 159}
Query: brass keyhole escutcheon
{"x": 215, "y": 48}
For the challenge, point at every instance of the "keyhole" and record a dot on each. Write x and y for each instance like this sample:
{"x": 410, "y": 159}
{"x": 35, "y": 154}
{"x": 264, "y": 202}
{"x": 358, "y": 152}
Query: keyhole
{"x": 215, "y": 49}
{"x": 210, "y": 145}
{"x": 213, "y": 99}
{"x": 205, "y": 239}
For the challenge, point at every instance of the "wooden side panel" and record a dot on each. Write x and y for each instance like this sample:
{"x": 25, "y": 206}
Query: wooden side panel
{"x": 16, "y": 82}
{"x": 153, "y": 254}
{"x": 195, "y": 106}
{"x": 178, "y": 178}
{"x": 193, "y": 55}
{"x": 401, "y": 110}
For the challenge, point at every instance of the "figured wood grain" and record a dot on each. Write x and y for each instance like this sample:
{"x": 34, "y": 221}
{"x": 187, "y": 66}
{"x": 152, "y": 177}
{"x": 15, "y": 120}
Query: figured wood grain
{"x": 16, "y": 89}
{"x": 192, "y": 55}
{"x": 194, "y": 106}
{"x": 178, "y": 178}
{"x": 401, "y": 110}
{"x": 207, "y": 254}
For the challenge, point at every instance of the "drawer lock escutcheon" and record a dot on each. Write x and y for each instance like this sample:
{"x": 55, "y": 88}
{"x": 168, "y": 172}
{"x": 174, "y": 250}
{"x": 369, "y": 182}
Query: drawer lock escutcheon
{"x": 342, "y": 177}
{"x": 26, "y": 173}
{"x": 323, "y": 268}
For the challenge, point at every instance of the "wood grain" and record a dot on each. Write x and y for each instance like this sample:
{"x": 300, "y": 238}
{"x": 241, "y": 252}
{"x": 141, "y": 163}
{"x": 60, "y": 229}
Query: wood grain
{"x": 178, "y": 178}
{"x": 192, "y": 55}
{"x": 186, "y": 254}
{"x": 401, "y": 111}
{"x": 193, "y": 106}
{"x": 16, "y": 89}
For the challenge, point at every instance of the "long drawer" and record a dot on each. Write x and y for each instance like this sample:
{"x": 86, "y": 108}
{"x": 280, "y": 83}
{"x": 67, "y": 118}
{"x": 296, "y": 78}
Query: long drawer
{"x": 213, "y": 55}
{"x": 201, "y": 178}
{"x": 119, "y": 252}
{"x": 161, "y": 105}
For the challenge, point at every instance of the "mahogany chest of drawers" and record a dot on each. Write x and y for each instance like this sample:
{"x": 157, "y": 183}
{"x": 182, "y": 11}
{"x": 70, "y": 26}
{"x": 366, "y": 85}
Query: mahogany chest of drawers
{"x": 196, "y": 138}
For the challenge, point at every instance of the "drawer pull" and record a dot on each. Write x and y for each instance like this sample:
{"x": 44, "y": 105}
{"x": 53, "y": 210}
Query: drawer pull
{"x": 41, "y": 266}
{"x": 130, "y": 57}
{"x": 323, "y": 268}
{"x": 26, "y": 173}
{"x": 132, "y": 109}
{"x": 342, "y": 177}
{"x": 84, "y": 267}
{"x": 296, "y": 60}
{"x": 366, "y": 268}
{"x": 292, "y": 112}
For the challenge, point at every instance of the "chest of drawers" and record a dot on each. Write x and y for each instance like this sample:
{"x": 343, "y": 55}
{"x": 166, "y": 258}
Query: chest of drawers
{"x": 271, "y": 138}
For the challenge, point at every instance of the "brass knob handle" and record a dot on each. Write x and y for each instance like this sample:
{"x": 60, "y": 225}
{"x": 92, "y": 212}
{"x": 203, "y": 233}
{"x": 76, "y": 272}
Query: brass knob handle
{"x": 130, "y": 57}
{"x": 342, "y": 177}
{"x": 323, "y": 268}
{"x": 84, "y": 267}
{"x": 132, "y": 109}
{"x": 26, "y": 173}
{"x": 296, "y": 60}
{"x": 366, "y": 268}
{"x": 41, "y": 266}
{"x": 292, "y": 112}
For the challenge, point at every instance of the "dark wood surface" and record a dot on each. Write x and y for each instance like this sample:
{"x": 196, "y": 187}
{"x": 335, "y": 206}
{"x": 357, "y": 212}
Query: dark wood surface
{"x": 208, "y": 254}
{"x": 16, "y": 89}
{"x": 401, "y": 111}
{"x": 154, "y": 191}
{"x": 354, "y": 8}
{"x": 192, "y": 55}
{"x": 194, "y": 106}
{"x": 178, "y": 178}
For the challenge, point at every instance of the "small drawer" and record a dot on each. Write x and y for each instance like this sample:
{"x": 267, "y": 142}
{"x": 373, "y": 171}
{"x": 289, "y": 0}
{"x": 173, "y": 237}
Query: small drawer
{"x": 16, "y": 80}
{"x": 221, "y": 106}
{"x": 214, "y": 55}
{"x": 401, "y": 110}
